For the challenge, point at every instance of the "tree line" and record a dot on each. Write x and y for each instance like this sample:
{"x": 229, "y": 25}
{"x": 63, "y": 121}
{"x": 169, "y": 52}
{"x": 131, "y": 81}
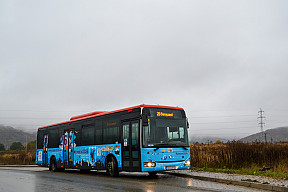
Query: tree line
{"x": 19, "y": 146}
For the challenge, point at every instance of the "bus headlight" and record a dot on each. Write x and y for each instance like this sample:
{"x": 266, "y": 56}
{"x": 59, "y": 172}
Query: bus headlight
{"x": 149, "y": 164}
{"x": 187, "y": 162}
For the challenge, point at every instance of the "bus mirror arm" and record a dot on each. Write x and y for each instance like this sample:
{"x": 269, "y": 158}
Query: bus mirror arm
{"x": 187, "y": 123}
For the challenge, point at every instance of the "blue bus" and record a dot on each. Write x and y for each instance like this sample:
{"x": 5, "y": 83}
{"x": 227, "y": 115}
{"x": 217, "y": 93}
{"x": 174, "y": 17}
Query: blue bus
{"x": 143, "y": 138}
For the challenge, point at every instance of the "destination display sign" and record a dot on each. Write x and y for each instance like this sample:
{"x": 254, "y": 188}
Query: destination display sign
{"x": 166, "y": 113}
{"x": 161, "y": 114}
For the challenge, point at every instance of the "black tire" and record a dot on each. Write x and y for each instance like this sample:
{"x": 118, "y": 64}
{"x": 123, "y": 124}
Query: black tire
{"x": 53, "y": 165}
{"x": 85, "y": 170}
{"x": 61, "y": 169}
{"x": 152, "y": 173}
{"x": 112, "y": 168}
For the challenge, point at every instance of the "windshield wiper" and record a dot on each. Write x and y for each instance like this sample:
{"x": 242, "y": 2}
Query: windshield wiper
{"x": 170, "y": 144}
{"x": 156, "y": 148}
{"x": 159, "y": 146}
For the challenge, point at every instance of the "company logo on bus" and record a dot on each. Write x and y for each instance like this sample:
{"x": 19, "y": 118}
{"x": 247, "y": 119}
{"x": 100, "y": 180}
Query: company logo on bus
{"x": 161, "y": 114}
{"x": 111, "y": 124}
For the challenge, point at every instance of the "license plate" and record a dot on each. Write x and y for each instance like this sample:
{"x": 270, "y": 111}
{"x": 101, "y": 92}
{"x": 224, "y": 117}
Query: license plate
{"x": 171, "y": 167}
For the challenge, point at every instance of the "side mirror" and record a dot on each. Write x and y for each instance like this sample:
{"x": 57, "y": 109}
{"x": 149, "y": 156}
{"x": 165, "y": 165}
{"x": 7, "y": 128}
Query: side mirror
{"x": 187, "y": 122}
{"x": 144, "y": 120}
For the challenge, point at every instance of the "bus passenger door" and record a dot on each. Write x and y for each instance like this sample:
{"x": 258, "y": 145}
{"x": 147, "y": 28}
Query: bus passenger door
{"x": 130, "y": 146}
{"x": 68, "y": 148}
{"x": 45, "y": 150}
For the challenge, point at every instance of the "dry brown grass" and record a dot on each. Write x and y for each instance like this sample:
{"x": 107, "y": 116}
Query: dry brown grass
{"x": 17, "y": 157}
{"x": 238, "y": 155}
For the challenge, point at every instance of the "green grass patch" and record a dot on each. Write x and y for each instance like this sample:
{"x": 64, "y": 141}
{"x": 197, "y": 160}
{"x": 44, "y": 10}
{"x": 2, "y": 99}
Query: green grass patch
{"x": 270, "y": 173}
{"x": 250, "y": 180}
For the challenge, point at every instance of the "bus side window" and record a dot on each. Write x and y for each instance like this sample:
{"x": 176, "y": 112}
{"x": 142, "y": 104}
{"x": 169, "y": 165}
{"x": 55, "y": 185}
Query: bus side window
{"x": 98, "y": 132}
{"x": 135, "y": 129}
{"x": 53, "y": 138}
{"x": 40, "y": 138}
{"x": 111, "y": 131}
{"x": 87, "y": 136}
{"x": 126, "y": 134}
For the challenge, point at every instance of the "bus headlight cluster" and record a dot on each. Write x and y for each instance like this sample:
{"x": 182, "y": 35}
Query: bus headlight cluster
{"x": 149, "y": 164}
{"x": 187, "y": 162}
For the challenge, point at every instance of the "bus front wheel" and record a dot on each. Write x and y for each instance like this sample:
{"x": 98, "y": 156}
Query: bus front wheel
{"x": 112, "y": 168}
{"x": 152, "y": 173}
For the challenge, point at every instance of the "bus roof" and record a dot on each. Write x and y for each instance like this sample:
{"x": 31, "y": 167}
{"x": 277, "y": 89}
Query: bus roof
{"x": 100, "y": 113}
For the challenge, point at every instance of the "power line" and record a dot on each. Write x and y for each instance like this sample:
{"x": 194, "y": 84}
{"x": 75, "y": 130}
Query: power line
{"x": 231, "y": 128}
{"x": 235, "y": 134}
{"x": 28, "y": 118}
{"x": 225, "y": 122}
{"x": 219, "y": 116}
{"x": 52, "y": 111}
{"x": 261, "y": 118}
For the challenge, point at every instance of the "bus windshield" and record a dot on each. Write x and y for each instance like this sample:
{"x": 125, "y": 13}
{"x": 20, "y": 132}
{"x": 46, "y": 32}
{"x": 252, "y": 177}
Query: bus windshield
{"x": 165, "y": 133}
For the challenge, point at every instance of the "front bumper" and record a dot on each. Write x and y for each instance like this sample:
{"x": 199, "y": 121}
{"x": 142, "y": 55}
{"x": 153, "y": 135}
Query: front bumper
{"x": 164, "y": 166}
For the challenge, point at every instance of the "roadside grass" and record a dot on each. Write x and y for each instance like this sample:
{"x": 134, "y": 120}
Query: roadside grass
{"x": 245, "y": 171}
{"x": 260, "y": 159}
{"x": 20, "y": 157}
{"x": 250, "y": 180}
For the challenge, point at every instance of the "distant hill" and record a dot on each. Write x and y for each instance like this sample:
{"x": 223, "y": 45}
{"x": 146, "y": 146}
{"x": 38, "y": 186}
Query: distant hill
{"x": 8, "y": 135}
{"x": 274, "y": 135}
{"x": 206, "y": 140}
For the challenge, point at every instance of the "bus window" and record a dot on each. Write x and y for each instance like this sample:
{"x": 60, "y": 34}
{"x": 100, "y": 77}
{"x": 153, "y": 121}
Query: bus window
{"x": 98, "y": 132}
{"x": 165, "y": 132}
{"x": 111, "y": 132}
{"x": 175, "y": 132}
{"x": 135, "y": 133}
{"x": 126, "y": 134}
{"x": 40, "y": 138}
{"x": 181, "y": 132}
{"x": 146, "y": 131}
{"x": 53, "y": 139}
{"x": 87, "y": 136}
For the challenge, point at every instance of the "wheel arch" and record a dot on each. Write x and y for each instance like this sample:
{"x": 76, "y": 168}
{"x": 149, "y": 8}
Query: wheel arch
{"x": 52, "y": 156}
{"x": 110, "y": 157}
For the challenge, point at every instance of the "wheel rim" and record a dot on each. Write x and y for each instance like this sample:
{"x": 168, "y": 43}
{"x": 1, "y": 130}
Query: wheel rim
{"x": 110, "y": 166}
{"x": 53, "y": 165}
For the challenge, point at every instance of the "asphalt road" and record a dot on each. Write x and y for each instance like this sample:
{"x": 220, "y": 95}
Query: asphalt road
{"x": 40, "y": 179}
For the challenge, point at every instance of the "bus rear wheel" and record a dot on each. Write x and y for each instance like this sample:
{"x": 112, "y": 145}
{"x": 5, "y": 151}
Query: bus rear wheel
{"x": 112, "y": 167}
{"x": 53, "y": 164}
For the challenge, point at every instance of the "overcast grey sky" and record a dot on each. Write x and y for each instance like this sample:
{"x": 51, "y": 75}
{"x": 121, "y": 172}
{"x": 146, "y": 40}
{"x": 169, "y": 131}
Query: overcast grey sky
{"x": 219, "y": 60}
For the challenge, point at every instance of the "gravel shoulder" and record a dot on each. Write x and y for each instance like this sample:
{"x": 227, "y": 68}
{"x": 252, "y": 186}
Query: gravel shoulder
{"x": 262, "y": 182}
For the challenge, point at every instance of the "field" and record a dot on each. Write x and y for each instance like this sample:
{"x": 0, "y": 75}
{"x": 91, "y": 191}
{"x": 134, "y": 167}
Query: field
{"x": 272, "y": 157}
